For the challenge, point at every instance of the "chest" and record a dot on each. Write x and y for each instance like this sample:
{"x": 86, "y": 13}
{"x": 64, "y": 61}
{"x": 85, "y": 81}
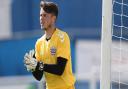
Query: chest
{"x": 48, "y": 51}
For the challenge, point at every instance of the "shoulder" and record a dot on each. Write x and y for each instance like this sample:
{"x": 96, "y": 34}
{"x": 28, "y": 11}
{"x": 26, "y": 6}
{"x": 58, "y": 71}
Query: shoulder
{"x": 40, "y": 40}
{"x": 62, "y": 35}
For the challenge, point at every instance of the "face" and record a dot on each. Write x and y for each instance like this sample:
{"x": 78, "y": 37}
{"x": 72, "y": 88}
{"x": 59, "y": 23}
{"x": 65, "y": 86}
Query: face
{"x": 46, "y": 19}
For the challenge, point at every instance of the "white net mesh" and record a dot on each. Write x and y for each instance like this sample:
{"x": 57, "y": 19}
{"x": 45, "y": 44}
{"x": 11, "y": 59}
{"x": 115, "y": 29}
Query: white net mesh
{"x": 119, "y": 63}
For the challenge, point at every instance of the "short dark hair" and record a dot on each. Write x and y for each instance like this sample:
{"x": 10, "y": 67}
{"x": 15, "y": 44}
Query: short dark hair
{"x": 49, "y": 7}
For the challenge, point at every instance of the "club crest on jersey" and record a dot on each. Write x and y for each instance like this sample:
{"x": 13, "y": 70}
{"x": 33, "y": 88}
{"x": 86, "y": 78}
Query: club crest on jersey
{"x": 53, "y": 50}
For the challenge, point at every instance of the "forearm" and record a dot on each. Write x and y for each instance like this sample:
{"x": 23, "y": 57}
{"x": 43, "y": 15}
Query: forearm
{"x": 38, "y": 73}
{"x": 58, "y": 68}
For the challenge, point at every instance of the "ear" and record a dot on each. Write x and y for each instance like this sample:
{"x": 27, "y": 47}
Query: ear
{"x": 54, "y": 19}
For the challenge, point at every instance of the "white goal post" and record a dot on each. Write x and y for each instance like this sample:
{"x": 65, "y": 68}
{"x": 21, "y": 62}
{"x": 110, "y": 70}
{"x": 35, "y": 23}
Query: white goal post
{"x": 105, "y": 73}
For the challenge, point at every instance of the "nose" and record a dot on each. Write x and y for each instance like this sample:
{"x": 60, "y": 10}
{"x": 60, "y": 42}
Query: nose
{"x": 41, "y": 19}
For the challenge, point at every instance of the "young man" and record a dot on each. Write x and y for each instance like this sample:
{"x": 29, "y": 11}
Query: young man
{"x": 52, "y": 56}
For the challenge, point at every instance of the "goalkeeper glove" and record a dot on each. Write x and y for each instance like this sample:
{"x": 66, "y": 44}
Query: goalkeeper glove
{"x": 29, "y": 61}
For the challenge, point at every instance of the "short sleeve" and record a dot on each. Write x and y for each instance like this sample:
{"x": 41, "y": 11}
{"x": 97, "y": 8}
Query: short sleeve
{"x": 37, "y": 50}
{"x": 63, "y": 46}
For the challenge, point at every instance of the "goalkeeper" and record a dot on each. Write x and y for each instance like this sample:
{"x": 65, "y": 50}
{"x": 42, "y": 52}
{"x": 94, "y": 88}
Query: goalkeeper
{"x": 52, "y": 56}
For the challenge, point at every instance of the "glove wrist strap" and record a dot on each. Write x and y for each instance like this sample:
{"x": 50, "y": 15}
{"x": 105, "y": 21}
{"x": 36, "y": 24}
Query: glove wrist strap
{"x": 41, "y": 66}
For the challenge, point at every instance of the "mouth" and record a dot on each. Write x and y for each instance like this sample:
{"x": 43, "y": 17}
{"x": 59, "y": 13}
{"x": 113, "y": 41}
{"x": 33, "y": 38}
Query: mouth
{"x": 41, "y": 23}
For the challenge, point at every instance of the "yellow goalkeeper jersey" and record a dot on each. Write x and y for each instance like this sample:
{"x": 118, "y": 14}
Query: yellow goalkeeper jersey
{"x": 48, "y": 51}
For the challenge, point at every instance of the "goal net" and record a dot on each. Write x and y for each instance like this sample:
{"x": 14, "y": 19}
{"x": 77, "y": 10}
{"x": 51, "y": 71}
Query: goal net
{"x": 119, "y": 50}
{"x": 114, "y": 60}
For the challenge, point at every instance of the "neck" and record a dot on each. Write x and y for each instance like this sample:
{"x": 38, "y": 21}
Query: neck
{"x": 49, "y": 31}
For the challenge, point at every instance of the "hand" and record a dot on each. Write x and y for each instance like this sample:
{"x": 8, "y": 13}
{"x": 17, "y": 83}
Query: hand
{"x": 29, "y": 61}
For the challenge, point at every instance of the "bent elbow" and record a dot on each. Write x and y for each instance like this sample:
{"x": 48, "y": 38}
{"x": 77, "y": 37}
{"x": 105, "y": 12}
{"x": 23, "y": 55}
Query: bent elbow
{"x": 60, "y": 72}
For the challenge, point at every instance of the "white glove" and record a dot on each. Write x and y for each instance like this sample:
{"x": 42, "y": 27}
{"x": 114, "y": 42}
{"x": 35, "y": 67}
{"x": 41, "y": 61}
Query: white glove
{"x": 29, "y": 61}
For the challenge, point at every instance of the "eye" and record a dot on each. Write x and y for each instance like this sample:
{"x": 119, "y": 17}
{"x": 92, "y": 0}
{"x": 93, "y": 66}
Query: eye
{"x": 44, "y": 15}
